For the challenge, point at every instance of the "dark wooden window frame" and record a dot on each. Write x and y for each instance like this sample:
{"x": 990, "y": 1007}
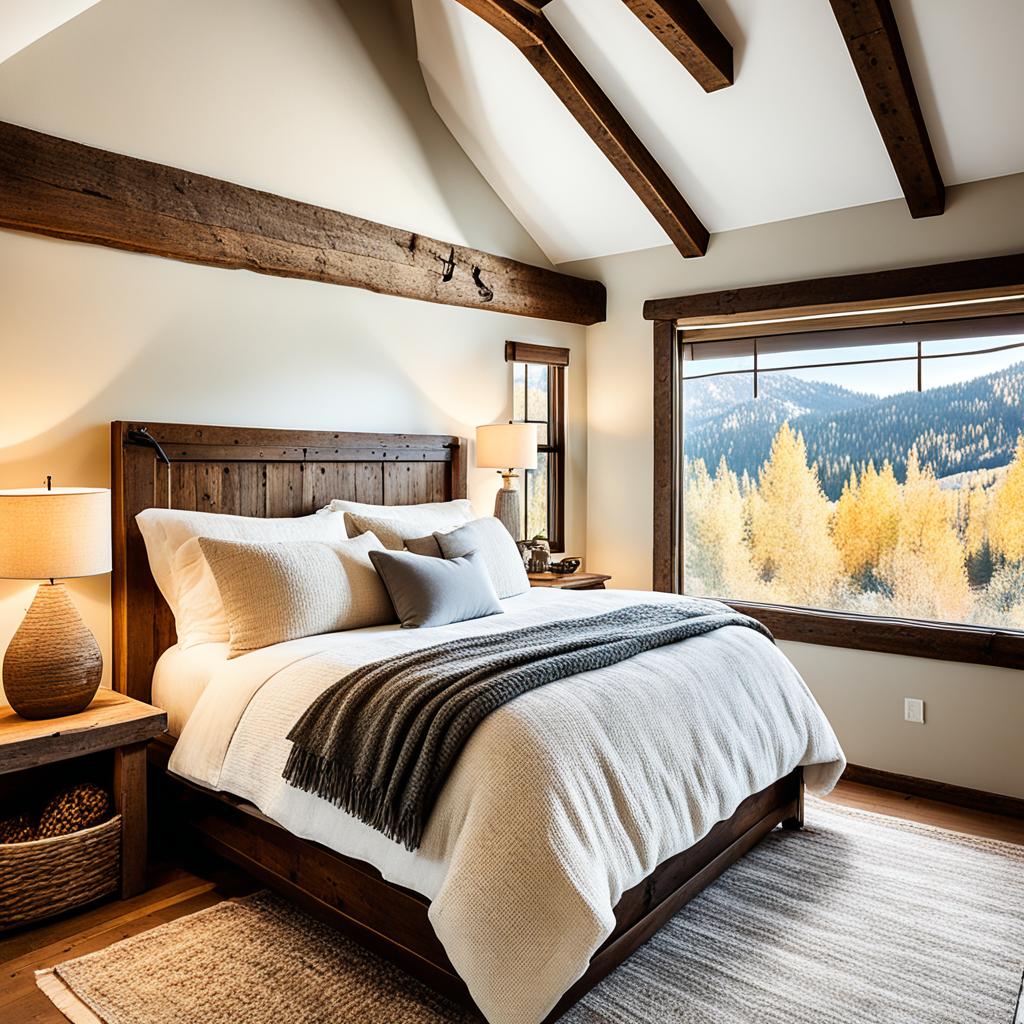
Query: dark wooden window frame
{"x": 999, "y": 278}
{"x": 556, "y": 359}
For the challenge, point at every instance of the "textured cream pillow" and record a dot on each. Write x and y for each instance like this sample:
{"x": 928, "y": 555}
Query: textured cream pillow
{"x": 392, "y": 533}
{"x": 277, "y": 592}
{"x": 180, "y": 569}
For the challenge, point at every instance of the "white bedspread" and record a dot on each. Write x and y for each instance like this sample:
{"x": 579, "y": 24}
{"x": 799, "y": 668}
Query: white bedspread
{"x": 562, "y": 799}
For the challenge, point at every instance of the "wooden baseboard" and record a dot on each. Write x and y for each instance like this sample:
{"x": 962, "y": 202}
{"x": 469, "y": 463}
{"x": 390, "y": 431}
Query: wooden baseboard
{"x": 974, "y": 799}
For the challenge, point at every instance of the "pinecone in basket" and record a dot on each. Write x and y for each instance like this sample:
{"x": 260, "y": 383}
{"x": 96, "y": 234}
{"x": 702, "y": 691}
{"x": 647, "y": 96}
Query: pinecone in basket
{"x": 74, "y": 809}
{"x": 18, "y": 828}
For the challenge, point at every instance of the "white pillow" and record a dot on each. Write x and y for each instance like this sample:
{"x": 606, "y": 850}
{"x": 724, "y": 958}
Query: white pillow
{"x": 287, "y": 590}
{"x": 158, "y": 551}
{"x": 500, "y": 553}
{"x": 434, "y": 515}
{"x": 181, "y": 571}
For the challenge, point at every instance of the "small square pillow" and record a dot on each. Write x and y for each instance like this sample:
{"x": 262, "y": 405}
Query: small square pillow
{"x": 500, "y": 553}
{"x": 283, "y": 591}
{"x": 424, "y": 546}
{"x": 436, "y": 591}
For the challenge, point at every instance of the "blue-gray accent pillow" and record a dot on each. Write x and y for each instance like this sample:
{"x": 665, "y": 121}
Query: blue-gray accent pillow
{"x": 429, "y": 591}
{"x": 500, "y": 554}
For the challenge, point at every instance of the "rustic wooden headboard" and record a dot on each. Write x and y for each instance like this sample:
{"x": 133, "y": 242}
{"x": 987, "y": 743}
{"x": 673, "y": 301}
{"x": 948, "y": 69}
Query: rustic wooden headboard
{"x": 247, "y": 472}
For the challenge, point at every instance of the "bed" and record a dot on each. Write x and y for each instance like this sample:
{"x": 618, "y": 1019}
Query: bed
{"x": 231, "y": 800}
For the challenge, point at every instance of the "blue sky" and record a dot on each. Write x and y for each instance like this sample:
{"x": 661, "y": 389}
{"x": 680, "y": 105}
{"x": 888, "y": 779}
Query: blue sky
{"x": 894, "y": 378}
{"x": 890, "y": 378}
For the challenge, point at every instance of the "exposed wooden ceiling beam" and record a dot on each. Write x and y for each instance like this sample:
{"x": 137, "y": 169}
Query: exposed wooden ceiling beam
{"x": 536, "y": 6}
{"x": 570, "y": 81}
{"x": 873, "y": 39}
{"x": 690, "y": 35}
{"x": 54, "y": 187}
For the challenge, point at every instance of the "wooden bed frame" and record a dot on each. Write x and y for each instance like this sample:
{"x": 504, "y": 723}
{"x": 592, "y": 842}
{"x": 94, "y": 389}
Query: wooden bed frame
{"x": 261, "y": 472}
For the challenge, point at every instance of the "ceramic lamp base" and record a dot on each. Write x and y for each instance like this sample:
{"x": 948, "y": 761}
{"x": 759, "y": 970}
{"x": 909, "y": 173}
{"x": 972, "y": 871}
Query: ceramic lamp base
{"x": 507, "y": 509}
{"x": 53, "y": 665}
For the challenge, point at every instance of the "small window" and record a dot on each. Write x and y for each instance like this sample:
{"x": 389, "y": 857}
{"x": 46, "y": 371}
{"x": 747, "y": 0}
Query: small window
{"x": 538, "y": 396}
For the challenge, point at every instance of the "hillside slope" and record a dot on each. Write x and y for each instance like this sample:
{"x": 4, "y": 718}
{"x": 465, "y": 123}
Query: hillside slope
{"x": 958, "y": 428}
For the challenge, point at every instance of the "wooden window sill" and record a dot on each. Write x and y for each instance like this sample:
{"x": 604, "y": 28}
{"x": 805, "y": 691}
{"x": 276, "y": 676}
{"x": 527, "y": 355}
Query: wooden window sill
{"x": 977, "y": 645}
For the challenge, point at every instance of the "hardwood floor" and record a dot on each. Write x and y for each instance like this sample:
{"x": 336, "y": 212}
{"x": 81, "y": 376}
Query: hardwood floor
{"x": 175, "y": 891}
{"x": 929, "y": 812}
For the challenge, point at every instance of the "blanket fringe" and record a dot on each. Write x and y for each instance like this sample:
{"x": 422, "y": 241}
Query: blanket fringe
{"x": 327, "y": 779}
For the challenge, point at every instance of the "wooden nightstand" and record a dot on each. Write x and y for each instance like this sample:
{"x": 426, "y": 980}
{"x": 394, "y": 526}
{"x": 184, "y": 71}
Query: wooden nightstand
{"x": 112, "y": 722}
{"x": 574, "y": 581}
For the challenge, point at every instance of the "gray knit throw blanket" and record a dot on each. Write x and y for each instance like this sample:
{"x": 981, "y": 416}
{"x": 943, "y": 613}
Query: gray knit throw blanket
{"x": 380, "y": 742}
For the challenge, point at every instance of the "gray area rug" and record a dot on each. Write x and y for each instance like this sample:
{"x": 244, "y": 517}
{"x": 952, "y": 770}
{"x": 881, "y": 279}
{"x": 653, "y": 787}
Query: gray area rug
{"x": 859, "y": 919}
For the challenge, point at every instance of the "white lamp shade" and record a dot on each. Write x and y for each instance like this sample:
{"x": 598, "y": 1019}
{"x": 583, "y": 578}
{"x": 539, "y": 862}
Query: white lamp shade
{"x": 54, "y": 534}
{"x": 507, "y": 446}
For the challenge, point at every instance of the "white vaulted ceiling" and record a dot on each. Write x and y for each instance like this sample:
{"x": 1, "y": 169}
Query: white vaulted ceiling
{"x": 793, "y": 136}
{"x": 22, "y": 22}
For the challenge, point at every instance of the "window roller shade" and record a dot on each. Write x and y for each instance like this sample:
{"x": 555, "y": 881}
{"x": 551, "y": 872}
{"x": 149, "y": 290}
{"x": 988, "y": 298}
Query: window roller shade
{"x": 996, "y": 327}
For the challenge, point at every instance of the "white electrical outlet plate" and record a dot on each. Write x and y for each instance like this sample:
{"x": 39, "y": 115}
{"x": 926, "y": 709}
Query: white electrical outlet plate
{"x": 913, "y": 710}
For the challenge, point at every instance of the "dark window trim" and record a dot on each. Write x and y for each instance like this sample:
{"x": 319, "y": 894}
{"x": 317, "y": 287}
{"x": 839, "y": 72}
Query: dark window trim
{"x": 943, "y": 641}
{"x": 940, "y": 640}
{"x": 526, "y": 352}
{"x": 556, "y": 359}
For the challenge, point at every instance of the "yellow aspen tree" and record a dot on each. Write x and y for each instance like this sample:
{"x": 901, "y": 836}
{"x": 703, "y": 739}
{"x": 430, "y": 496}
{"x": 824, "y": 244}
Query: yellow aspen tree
{"x": 791, "y": 542}
{"x": 1006, "y": 516}
{"x": 730, "y": 512}
{"x": 926, "y": 569}
{"x": 865, "y": 521}
{"x": 847, "y": 528}
{"x": 882, "y": 505}
{"x": 696, "y": 544}
{"x": 717, "y": 558}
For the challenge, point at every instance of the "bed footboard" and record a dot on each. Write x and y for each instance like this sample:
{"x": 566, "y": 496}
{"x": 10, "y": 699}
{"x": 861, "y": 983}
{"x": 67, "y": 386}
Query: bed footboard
{"x": 392, "y": 921}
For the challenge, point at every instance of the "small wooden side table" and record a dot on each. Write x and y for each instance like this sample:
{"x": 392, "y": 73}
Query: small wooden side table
{"x": 111, "y": 722}
{"x": 574, "y": 581}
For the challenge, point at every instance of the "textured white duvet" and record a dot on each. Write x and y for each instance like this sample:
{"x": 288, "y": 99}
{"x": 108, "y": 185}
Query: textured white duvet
{"x": 561, "y": 800}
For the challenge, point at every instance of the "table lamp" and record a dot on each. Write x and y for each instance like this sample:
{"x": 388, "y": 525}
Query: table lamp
{"x": 507, "y": 447}
{"x": 53, "y": 664}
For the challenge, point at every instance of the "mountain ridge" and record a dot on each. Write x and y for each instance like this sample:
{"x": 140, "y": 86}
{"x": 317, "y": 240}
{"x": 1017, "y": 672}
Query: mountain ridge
{"x": 958, "y": 428}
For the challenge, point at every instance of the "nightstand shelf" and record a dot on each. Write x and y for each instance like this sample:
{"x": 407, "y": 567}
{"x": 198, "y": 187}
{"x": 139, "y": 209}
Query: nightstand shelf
{"x": 113, "y": 722}
{"x": 573, "y": 581}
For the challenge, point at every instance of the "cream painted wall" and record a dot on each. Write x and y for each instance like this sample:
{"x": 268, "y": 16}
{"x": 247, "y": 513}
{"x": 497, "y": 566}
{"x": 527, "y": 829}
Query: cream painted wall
{"x": 323, "y": 101}
{"x": 975, "y": 715}
{"x": 313, "y": 99}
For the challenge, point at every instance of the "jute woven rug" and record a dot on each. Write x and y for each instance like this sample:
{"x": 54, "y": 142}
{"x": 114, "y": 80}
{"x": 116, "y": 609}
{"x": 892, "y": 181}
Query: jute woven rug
{"x": 859, "y": 919}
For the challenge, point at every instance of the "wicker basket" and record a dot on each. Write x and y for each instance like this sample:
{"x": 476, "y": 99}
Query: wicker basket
{"x": 48, "y": 876}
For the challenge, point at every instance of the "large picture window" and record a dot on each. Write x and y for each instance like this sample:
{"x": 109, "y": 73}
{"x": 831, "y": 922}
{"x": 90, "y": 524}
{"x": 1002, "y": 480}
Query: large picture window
{"x": 876, "y": 471}
{"x": 538, "y": 396}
